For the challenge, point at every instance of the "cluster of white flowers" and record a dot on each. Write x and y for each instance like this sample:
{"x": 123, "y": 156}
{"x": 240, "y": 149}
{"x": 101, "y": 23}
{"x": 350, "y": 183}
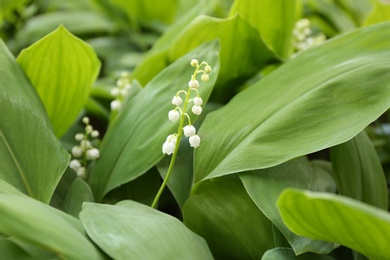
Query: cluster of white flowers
{"x": 303, "y": 38}
{"x": 179, "y": 114}
{"x": 85, "y": 151}
{"x": 119, "y": 92}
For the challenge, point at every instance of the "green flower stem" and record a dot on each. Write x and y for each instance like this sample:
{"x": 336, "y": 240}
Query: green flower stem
{"x": 174, "y": 156}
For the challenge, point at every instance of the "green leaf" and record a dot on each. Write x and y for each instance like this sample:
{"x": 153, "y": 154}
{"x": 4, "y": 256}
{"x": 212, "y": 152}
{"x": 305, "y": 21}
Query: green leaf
{"x": 32, "y": 159}
{"x": 265, "y": 186}
{"x": 77, "y": 22}
{"x": 143, "y": 124}
{"x": 221, "y": 211}
{"x": 42, "y": 225}
{"x": 78, "y": 193}
{"x": 249, "y": 56}
{"x": 339, "y": 219}
{"x": 62, "y": 68}
{"x": 274, "y": 19}
{"x": 131, "y": 230}
{"x": 283, "y": 253}
{"x": 380, "y": 13}
{"x": 323, "y": 97}
{"x": 358, "y": 171}
{"x": 10, "y": 250}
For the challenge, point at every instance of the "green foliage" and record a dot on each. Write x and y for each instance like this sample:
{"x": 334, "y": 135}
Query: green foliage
{"x": 32, "y": 159}
{"x": 130, "y": 230}
{"x": 294, "y": 116}
{"x": 72, "y": 67}
{"x": 350, "y": 228}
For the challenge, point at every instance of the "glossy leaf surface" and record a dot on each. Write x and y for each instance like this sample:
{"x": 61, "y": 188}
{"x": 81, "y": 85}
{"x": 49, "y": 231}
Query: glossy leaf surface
{"x": 265, "y": 186}
{"x": 130, "y": 230}
{"x": 276, "y": 119}
{"x": 62, "y": 68}
{"x": 32, "y": 158}
{"x": 221, "y": 211}
{"x": 35, "y": 222}
{"x": 338, "y": 219}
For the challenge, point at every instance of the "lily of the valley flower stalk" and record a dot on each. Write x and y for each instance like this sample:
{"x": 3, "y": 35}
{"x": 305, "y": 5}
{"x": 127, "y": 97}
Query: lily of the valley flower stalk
{"x": 171, "y": 145}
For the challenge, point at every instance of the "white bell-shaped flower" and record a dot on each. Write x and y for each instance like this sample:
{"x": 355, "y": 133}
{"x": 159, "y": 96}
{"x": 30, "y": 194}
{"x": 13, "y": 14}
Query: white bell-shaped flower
{"x": 177, "y": 101}
{"x": 193, "y": 83}
{"x": 95, "y": 133}
{"x": 207, "y": 69}
{"x": 173, "y": 115}
{"x": 194, "y": 141}
{"x": 172, "y": 139}
{"x": 81, "y": 172}
{"x": 205, "y": 78}
{"x": 198, "y": 101}
{"x": 168, "y": 148}
{"x": 77, "y": 151}
{"x": 115, "y": 92}
{"x": 74, "y": 164}
{"x": 115, "y": 105}
{"x": 79, "y": 137}
{"x": 194, "y": 63}
{"x": 92, "y": 154}
{"x": 197, "y": 110}
{"x": 189, "y": 130}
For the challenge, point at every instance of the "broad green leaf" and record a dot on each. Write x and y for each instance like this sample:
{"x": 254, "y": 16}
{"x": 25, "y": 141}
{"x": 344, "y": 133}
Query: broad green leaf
{"x": 323, "y": 97}
{"x": 249, "y": 56}
{"x": 32, "y": 159}
{"x": 283, "y": 253}
{"x": 274, "y": 19}
{"x": 221, "y": 211}
{"x": 148, "y": 11}
{"x": 334, "y": 14}
{"x": 62, "y": 68}
{"x": 10, "y": 250}
{"x": 142, "y": 125}
{"x": 78, "y": 193}
{"x": 130, "y": 230}
{"x": 339, "y": 219}
{"x": 77, "y": 22}
{"x": 265, "y": 186}
{"x": 358, "y": 171}
{"x": 41, "y": 225}
{"x": 380, "y": 13}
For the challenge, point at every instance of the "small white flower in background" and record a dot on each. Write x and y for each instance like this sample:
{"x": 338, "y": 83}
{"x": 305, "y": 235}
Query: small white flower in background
{"x": 84, "y": 151}
{"x": 302, "y": 36}
{"x": 197, "y": 110}
{"x": 173, "y": 115}
{"x": 189, "y": 130}
{"x": 120, "y": 91}
{"x": 169, "y": 145}
{"x": 198, "y": 101}
{"x": 115, "y": 105}
{"x": 194, "y": 141}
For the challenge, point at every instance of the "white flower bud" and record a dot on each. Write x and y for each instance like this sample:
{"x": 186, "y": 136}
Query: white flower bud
{"x": 81, "y": 172}
{"x": 115, "y": 105}
{"x": 88, "y": 129}
{"x": 86, "y": 120}
{"x": 128, "y": 86}
{"x": 93, "y": 154}
{"x": 124, "y": 92}
{"x": 77, "y": 151}
{"x": 115, "y": 92}
{"x": 74, "y": 164}
{"x": 194, "y": 141}
{"x": 177, "y": 101}
{"x": 194, "y": 63}
{"x": 198, "y": 101}
{"x": 207, "y": 69}
{"x": 120, "y": 82}
{"x": 197, "y": 110}
{"x": 84, "y": 145}
{"x": 205, "y": 78}
{"x": 79, "y": 137}
{"x": 173, "y": 115}
{"x": 193, "y": 84}
{"x": 168, "y": 148}
{"x": 95, "y": 133}
{"x": 189, "y": 130}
